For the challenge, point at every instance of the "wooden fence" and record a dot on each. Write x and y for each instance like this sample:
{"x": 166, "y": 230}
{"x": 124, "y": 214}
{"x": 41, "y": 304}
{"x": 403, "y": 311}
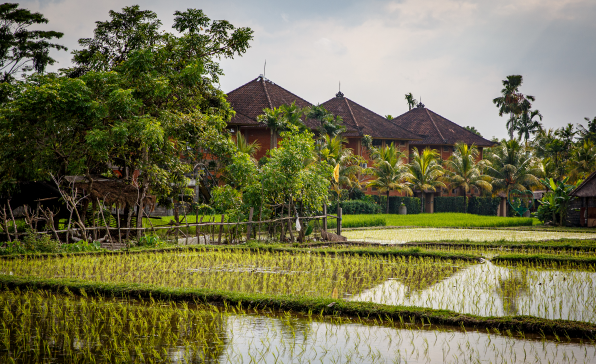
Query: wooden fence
{"x": 113, "y": 235}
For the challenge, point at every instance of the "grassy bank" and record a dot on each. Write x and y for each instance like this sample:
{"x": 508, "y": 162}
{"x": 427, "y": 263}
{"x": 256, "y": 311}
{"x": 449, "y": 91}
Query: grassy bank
{"x": 323, "y": 306}
{"x": 589, "y": 262}
{"x": 433, "y": 220}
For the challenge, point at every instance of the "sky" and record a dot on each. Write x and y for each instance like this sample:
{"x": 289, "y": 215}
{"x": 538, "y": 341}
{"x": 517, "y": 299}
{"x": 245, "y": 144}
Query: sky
{"x": 451, "y": 54}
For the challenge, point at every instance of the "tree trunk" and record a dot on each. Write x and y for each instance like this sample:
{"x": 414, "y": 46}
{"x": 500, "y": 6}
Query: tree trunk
{"x": 387, "y": 208}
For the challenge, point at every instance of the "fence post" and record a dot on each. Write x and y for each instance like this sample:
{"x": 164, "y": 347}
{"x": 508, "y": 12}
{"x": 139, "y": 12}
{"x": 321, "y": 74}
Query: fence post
{"x": 220, "y": 229}
{"x": 248, "y": 226}
{"x": 198, "y": 230}
{"x": 339, "y": 214}
{"x": 325, "y": 217}
{"x": 260, "y": 218}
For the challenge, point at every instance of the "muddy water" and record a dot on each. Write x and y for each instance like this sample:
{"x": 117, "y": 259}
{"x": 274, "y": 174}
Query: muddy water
{"x": 41, "y": 327}
{"x": 490, "y": 290}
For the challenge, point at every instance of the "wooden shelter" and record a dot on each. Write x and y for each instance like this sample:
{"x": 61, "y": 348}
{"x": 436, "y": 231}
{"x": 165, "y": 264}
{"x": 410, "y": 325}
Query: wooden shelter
{"x": 586, "y": 199}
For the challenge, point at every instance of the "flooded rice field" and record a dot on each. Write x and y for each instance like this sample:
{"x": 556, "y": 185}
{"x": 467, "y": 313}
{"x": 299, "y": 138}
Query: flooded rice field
{"x": 404, "y": 235}
{"x": 43, "y": 327}
{"x": 490, "y": 290}
{"x": 541, "y": 290}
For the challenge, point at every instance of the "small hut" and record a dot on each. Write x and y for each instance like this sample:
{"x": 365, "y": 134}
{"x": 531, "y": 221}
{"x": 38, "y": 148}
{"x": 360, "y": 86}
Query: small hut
{"x": 582, "y": 211}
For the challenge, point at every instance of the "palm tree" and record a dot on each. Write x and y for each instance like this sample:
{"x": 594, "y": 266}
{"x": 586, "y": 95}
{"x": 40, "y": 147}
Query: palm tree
{"x": 274, "y": 120}
{"x": 588, "y": 133}
{"x": 389, "y": 171}
{"x": 426, "y": 171}
{"x": 245, "y": 147}
{"x": 526, "y": 125}
{"x": 333, "y": 151}
{"x": 582, "y": 161}
{"x": 512, "y": 167}
{"x": 411, "y": 101}
{"x": 466, "y": 172}
{"x": 510, "y": 101}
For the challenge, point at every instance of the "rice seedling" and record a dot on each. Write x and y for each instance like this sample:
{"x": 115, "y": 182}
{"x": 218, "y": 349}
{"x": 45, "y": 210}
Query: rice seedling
{"x": 44, "y": 327}
{"x": 281, "y": 273}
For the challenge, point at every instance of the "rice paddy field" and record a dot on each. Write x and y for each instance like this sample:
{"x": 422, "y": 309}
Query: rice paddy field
{"x": 427, "y": 295}
{"x": 39, "y": 326}
{"x": 444, "y": 219}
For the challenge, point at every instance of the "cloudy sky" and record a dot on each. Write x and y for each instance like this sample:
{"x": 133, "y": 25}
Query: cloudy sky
{"x": 453, "y": 54}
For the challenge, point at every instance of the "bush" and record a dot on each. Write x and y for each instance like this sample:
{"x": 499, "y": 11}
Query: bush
{"x": 353, "y": 207}
{"x": 487, "y": 206}
{"x": 450, "y": 204}
{"x": 413, "y": 204}
{"x": 358, "y": 221}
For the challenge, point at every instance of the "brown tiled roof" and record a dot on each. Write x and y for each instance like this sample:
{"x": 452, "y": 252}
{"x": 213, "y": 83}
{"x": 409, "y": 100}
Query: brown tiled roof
{"x": 360, "y": 121}
{"x": 587, "y": 188}
{"x": 250, "y": 99}
{"x": 436, "y": 129}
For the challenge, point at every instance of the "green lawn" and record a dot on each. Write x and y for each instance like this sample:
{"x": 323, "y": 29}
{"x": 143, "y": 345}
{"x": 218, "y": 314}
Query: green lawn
{"x": 448, "y": 219}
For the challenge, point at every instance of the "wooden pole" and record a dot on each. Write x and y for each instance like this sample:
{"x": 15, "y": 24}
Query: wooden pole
{"x": 14, "y": 223}
{"x": 199, "y": 230}
{"x": 5, "y": 223}
{"x": 260, "y": 218}
{"x": 325, "y": 217}
{"x": 221, "y": 226}
{"x": 248, "y": 227}
{"x": 339, "y": 213}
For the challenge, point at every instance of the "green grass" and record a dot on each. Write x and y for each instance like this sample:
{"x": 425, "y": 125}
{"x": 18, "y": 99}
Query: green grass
{"x": 447, "y": 219}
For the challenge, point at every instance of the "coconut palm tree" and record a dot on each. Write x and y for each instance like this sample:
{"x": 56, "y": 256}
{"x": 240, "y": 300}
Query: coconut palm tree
{"x": 465, "y": 171}
{"x": 426, "y": 171}
{"x": 389, "y": 172}
{"x": 275, "y": 122}
{"x": 411, "y": 101}
{"x": 583, "y": 161}
{"x": 511, "y": 100}
{"x": 588, "y": 133}
{"x": 526, "y": 125}
{"x": 512, "y": 167}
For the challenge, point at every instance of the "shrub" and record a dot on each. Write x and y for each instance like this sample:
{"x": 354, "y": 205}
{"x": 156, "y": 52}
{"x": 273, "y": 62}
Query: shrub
{"x": 483, "y": 205}
{"x": 413, "y": 204}
{"x": 352, "y": 207}
{"x": 450, "y": 204}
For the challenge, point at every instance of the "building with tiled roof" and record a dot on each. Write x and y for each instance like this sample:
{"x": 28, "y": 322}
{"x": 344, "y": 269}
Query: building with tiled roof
{"x": 418, "y": 128}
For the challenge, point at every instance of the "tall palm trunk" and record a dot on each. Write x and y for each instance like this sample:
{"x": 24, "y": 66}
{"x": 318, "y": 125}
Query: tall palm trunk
{"x": 387, "y": 211}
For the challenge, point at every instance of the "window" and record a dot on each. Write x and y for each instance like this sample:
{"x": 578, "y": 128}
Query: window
{"x": 377, "y": 142}
{"x": 446, "y": 149}
{"x": 402, "y": 142}
{"x": 454, "y": 191}
{"x": 364, "y": 165}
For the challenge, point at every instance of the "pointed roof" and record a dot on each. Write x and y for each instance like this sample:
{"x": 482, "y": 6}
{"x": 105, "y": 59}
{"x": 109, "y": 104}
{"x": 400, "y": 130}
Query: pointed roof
{"x": 250, "y": 99}
{"x": 360, "y": 121}
{"x": 435, "y": 129}
{"x": 587, "y": 188}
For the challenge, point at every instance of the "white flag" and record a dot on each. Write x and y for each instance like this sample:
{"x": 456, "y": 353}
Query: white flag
{"x": 298, "y": 226}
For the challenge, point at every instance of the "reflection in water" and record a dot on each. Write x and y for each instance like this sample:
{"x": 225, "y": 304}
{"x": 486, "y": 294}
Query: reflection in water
{"x": 40, "y": 327}
{"x": 489, "y": 290}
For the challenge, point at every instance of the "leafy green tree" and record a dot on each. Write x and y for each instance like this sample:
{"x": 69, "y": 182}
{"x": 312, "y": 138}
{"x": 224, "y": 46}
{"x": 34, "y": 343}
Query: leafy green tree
{"x": 411, "y": 101}
{"x": 134, "y": 29}
{"x": 330, "y": 125}
{"x": 512, "y": 167}
{"x": 389, "y": 172}
{"x": 155, "y": 112}
{"x": 465, "y": 171}
{"x": 473, "y": 130}
{"x": 21, "y": 49}
{"x": 588, "y": 133}
{"x": 556, "y": 201}
{"x": 582, "y": 161}
{"x": 282, "y": 118}
{"x": 426, "y": 171}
